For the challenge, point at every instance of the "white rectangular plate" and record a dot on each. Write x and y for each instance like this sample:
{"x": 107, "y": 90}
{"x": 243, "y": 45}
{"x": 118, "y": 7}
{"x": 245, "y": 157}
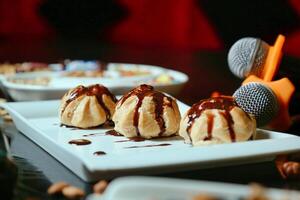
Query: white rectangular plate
{"x": 149, "y": 188}
{"x": 39, "y": 121}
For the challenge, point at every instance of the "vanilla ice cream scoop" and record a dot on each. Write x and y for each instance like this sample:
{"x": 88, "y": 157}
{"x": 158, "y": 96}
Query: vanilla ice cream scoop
{"x": 86, "y": 107}
{"x": 146, "y": 113}
{"x": 217, "y": 120}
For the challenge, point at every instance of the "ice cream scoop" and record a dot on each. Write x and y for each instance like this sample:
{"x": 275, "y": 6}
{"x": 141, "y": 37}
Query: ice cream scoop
{"x": 86, "y": 107}
{"x": 146, "y": 113}
{"x": 216, "y": 120}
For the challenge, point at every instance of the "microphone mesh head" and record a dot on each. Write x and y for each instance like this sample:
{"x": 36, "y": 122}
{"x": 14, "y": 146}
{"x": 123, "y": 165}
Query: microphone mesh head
{"x": 258, "y": 100}
{"x": 247, "y": 56}
{"x": 260, "y": 58}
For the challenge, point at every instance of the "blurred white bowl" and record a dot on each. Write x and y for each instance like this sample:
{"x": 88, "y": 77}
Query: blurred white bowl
{"x": 58, "y": 84}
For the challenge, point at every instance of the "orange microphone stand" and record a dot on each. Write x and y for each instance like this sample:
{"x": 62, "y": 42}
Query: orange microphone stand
{"x": 282, "y": 88}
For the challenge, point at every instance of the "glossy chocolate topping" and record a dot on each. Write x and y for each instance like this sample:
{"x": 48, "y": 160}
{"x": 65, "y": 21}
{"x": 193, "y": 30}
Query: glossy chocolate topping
{"x": 160, "y": 101}
{"x": 92, "y": 134}
{"x": 96, "y": 90}
{"x": 210, "y": 124}
{"x": 80, "y": 142}
{"x": 99, "y": 153}
{"x": 225, "y": 103}
{"x": 149, "y": 145}
{"x": 113, "y": 133}
{"x": 87, "y": 135}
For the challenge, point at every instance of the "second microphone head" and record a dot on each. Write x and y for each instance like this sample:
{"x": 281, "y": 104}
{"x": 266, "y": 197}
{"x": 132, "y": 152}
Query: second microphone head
{"x": 258, "y": 100}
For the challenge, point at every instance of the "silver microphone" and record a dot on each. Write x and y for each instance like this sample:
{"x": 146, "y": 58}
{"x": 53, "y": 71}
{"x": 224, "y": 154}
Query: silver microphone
{"x": 247, "y": 57}
{"x": 259, "y": 100}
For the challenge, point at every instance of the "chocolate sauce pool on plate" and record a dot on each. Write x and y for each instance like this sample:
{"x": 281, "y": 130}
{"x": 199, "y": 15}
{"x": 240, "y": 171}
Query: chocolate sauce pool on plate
{"x": 99, "y": 153}
{"x": 113, "y": 133}
{"x": 150, "y": 145}
{"x": 87, "y": 135}
{"x": 93, "y": 134}
{"x": 80, "y": 142}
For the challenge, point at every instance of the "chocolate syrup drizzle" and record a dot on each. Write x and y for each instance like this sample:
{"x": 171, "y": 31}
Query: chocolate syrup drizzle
{"x": 96, "y": 90}
{"x": 80, "y": 142}
{"x": 113, "y": 133}
{"x": 149, "y": 145}
{"x": 225, "y": 103}
{"x": 93, "y": 134}
{"x": 99, "y": 153}
{"x": 210, "y": 124}
{"x": 158, "y": 98}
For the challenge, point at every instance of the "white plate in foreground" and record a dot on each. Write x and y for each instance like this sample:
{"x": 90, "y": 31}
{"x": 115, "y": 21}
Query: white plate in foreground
{"x": 149, "y": 188}
{"x": 39, "y": 121}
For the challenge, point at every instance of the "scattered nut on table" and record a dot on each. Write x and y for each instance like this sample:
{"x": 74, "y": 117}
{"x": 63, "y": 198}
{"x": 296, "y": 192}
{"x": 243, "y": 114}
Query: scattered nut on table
{"x": 100, "y": 187}
{"x": 56, "y": 188}
{"x": 72, "y": 192}
{"x": 3, "y": 112}
{"x": 7, "y": 118}
{"x": 257, "y": 192}
{"x": 2, "y": 100}
{"x": 291, "y": 169}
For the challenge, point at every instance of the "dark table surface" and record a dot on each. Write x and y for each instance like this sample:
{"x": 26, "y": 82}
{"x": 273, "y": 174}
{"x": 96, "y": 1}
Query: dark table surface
{"x": 207, "y": 71}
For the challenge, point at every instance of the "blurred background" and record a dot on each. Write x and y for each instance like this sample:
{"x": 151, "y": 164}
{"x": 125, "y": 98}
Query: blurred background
{"x": 168, "y": 33}
{"x": 180, "y": 24}
{"x": 192, "y": 36}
